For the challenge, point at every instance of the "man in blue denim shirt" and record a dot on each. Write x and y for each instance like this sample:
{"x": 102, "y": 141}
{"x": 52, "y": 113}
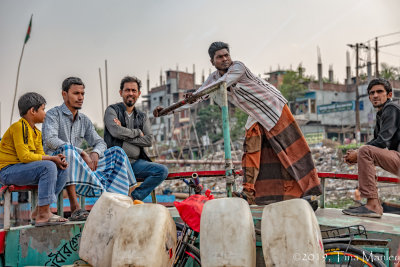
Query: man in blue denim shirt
{"x": 129, "y": 128}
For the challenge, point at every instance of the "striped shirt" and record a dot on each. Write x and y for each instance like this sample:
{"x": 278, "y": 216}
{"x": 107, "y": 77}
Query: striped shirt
{"x": 259, "y": 99}
{"x": 60, "y": 129}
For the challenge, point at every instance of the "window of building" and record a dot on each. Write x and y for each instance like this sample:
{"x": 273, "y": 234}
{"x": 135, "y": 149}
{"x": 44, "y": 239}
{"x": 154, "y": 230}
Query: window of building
{"x": 396, "y": 93}
{"x": 313, "y": 106}
{"x": 176, "y": 97}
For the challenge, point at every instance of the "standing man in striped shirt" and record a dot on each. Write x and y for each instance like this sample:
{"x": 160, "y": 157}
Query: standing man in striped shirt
{"x": 277, "y": 161}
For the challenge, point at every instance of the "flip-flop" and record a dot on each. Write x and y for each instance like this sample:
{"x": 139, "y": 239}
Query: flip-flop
{"x": 53, "y": 220}
{"x": 79, "y": 215}
{"x": 362, "y": 211}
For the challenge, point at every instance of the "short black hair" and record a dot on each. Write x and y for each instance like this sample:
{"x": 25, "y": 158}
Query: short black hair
{"x": 214, "y": 47}
{"x": 130, "y": 79}
{"x": 71, "y": 81}
{"x": 380, "y": 81}
{"x": 28, "y": 101}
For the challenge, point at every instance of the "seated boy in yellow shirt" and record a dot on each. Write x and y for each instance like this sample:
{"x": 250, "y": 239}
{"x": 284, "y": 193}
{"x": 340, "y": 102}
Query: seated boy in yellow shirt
{"x": 23, "y": 161}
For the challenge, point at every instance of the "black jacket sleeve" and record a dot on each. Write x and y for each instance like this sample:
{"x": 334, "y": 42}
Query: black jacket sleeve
{"x": 389, "y": 124}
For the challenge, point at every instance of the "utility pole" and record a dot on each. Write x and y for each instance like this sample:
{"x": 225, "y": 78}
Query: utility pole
{"x": 357, "y": 46}
{"x": 376, "y": 59}
{"x": 358, "y": 126}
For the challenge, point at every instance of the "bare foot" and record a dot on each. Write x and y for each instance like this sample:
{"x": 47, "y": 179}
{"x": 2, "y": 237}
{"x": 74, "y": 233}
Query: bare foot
{"x": 34, "y": 213}
{"x": 374, "y": 205}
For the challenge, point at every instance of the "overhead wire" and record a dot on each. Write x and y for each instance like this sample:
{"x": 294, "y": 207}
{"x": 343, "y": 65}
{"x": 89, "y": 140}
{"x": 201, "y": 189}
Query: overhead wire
{"x": 383, "y": 35}
{"x": 391, "y": 44}
{"x": 387, "y": 53}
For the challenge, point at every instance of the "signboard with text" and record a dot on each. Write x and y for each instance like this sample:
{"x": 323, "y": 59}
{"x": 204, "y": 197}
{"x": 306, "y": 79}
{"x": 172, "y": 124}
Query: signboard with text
{"x": 339, "y": 107}
{"x": 314, "y": 138}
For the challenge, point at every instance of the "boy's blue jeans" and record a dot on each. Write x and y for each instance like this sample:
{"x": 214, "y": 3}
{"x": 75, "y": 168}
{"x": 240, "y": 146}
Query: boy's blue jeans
{"x": 45, "y": 174}
{"x": 153, "y": 175}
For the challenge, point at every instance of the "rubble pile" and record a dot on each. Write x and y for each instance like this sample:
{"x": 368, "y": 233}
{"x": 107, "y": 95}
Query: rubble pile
{"x": 326, "y": 158}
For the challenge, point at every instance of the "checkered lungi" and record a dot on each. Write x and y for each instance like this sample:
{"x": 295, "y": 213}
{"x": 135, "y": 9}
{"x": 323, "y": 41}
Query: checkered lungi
{"x": 277, "y": 164}
{"x": 113, "y": 174}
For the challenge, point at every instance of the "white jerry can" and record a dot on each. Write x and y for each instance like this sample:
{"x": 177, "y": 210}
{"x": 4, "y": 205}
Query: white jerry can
{"x": 290, "y": 235}
{"x": 101, "y": 227}
{"x": 147, "y": 237}
{"x": 227, "y": 235}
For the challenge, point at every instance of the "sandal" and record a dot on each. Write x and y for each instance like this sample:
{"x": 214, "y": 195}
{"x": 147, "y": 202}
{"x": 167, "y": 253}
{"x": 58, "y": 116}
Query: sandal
{"x": 79, "y": 215}
{"x": 53, "y": 220}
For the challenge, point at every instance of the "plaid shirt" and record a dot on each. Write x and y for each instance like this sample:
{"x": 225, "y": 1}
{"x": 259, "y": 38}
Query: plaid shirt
{"x": 259, "y": 99}
{"x": 59, "y": 129}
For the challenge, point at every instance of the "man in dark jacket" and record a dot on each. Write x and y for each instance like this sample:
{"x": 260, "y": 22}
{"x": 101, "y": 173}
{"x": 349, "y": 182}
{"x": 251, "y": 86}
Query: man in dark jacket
{"x": 129, "y": 128}
{"x": 382, "y": 151}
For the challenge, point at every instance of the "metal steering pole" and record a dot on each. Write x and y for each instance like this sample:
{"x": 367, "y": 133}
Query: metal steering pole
{"x": 227, "y": 142}
{"x": 221, "y": 87}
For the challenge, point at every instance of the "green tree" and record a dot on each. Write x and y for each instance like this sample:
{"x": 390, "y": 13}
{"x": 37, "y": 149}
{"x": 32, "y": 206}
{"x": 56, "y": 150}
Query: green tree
{"x": 292, "y": 86}
{"x": 209, "y": 121}
{"x": 100, "y": 131}
{"x": 389, "y": 72}
{"x": 238, "y": 122}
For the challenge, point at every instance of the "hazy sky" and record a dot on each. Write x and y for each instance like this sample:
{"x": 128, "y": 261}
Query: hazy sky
{"x": 73, "y": 38}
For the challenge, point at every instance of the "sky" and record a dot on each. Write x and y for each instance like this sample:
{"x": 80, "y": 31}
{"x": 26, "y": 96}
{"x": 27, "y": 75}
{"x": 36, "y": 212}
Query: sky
{"x": 74, "y": 38}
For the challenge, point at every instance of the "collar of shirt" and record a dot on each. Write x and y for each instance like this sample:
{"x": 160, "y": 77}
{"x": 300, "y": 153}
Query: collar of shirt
{"x": 217, "y": 75}
{"x": 68, "y": 112}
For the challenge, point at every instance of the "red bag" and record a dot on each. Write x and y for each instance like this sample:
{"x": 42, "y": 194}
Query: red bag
{"x": 190, "y": 209}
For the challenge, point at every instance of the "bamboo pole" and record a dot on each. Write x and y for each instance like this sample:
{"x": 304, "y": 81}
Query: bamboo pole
{"x": 101, "y": 92}
{"x": 197, "y": 137}
{"x": 106, "y": 83}
{"x": 16, "y": 83}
